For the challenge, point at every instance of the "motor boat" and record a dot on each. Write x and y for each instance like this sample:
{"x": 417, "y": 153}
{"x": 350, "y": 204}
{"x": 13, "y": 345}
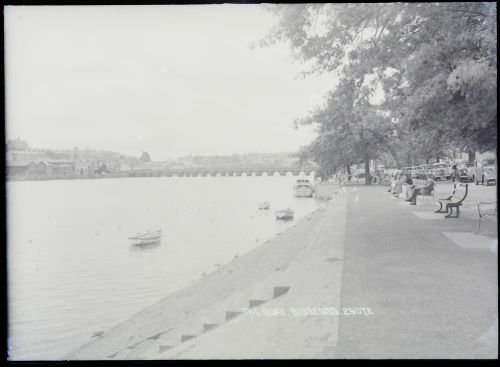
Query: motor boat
{"x": 303, "y": 188}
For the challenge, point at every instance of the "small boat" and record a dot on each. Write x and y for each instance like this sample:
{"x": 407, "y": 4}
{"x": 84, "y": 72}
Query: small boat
{"x": 284, "y": 214}
{"x": 147, "y": 238}
{"x": 265, "y": 205}
{"x": 303, "y": 188}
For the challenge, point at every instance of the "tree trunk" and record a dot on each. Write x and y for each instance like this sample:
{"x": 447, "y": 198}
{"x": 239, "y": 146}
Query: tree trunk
{"x": 348, "y": 173}
{"x": 472, "y": 155}
{"x": 368, "y": 178}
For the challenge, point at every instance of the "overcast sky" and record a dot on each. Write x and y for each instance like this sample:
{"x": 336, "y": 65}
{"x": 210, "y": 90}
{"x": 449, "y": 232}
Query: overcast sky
{"x": 170, "y": 80}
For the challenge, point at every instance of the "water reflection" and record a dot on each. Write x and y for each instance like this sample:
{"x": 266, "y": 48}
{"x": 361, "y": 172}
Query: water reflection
{"x": 145, "y": 247}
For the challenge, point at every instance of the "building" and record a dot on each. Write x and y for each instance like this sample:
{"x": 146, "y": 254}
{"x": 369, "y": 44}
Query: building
{"x": 17, "y": 144}
{"x": 17, "y": 169}
{"x": 48, "y": 169}
{"x": 60, "y": 168}
{"x": 38, "y": 169}
{"x": 154, "y": 165}
{"x": 485, "y": 155}
{"x": 26, "y": 155}
{"x": 124, "y": 166}
{"x": 84, "y": 169}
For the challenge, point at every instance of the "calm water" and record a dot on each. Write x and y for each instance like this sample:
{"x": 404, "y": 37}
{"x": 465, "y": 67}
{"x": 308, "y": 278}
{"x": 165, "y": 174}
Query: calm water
{"x": 72, "y": 270}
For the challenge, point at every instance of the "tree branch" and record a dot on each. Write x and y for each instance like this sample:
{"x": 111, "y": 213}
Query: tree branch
{"x": 382, "y": 30}
{"x": 469, "y": 12}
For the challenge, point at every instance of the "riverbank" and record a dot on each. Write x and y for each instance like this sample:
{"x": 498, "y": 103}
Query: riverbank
{"x": 294, "y": 269}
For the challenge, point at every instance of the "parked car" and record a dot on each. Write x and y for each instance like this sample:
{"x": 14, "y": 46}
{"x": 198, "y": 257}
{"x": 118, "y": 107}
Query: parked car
{"x": 485, "y": 172}
{"x": 466, "y": 171}
{"x": 441, "y": 171}
{"x": 427, "y": 171}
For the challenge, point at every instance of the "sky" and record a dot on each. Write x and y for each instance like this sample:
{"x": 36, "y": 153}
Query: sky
{"x": 171, "y": 80}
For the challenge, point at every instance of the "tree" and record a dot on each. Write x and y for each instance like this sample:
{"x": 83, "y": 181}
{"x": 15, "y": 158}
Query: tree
{"x": 435, "y": 62}
{"x": 145, "y": 157}
{"x": 351, "y": 129}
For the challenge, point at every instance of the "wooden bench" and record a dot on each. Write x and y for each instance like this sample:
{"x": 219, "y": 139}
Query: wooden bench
{"x": 455, "y": 200}
{"x": 487, "y": 210}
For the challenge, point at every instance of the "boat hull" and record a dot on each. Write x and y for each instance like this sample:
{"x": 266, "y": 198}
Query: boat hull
{"x": 284, "y": 214}
{"x": 304, "y": 192}
{"x": 150, "y": 241}
{"x": 149, "y": 238}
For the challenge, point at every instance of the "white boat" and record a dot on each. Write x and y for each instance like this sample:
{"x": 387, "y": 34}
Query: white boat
{"x": 303, "y": 188}
{"x": 147, "y": 238}
{"x": 264, "y": 205}
{"x": 284, "y": 214}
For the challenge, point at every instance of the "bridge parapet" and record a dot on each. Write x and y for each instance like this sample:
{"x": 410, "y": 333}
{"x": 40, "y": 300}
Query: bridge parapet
{"x": 204, "y": 172}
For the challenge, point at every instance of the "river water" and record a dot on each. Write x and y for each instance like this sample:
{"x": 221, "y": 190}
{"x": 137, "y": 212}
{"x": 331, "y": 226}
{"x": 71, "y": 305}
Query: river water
{"x": 72, "y": 271}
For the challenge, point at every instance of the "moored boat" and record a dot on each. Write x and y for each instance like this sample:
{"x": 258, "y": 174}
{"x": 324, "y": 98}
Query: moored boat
{"x": 148, "y": 238}
{"x": 284, "y": 214}
{"x": 303, "y": 188}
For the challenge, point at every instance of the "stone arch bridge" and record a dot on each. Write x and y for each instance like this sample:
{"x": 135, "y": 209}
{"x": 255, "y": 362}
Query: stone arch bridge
{"x": 211, "y": 172}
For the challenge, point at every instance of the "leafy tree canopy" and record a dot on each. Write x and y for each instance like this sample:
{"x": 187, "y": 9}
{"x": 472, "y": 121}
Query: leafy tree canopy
{"x": 433, "y": 65}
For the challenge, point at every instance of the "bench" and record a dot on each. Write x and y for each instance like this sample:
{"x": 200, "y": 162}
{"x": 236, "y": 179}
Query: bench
{"x": 487, "y": 210}
{"x": 455, "y": 200}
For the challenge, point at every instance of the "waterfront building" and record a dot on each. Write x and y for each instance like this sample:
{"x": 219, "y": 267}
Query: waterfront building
{"x": 154, "y": 165}
{"x": 26, "y": 155}
{"x": 17, "y": 169}
{"x": 124, "y": 166}
{"x": 60, "y": 168}
{"x": 106, "y": 166}
{"x": 84, "y": 169}
{"x": 101, "y": 169}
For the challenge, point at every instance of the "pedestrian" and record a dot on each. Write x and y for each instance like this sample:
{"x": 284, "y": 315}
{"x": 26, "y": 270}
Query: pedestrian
{"x": 455, "y": 176}
{"x": 426, "y": 190}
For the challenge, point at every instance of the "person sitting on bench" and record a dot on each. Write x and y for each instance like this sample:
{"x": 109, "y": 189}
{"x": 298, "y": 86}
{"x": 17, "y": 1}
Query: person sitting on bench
{"x": 392, "y": 183}
{"x": 425, "y": 190}
{"x": 411, "y": 186}
{"x": 398, "y": 187}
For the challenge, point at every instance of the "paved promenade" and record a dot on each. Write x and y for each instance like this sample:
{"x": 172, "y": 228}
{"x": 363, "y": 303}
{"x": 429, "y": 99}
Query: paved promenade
{"x": 430, "y": 281}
